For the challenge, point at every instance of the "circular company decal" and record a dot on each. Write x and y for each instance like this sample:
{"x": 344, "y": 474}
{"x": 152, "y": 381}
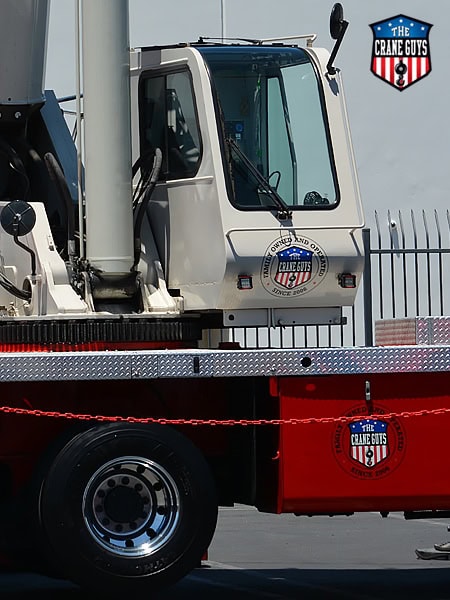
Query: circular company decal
{"x": 369, "y": 448}
{"x": 293, "y": 266}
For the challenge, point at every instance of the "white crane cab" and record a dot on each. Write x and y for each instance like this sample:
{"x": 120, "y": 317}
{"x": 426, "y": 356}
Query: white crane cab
{"x": 256, "y": 214}
{"x": 245, "y": 209}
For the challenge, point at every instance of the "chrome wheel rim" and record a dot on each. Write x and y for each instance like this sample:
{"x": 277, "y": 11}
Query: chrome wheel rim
{"x": 131, "y": 506}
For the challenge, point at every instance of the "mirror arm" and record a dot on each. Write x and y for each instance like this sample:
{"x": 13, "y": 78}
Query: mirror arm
{"x": 330, "y": 69}
{"x": 30, "y": 252}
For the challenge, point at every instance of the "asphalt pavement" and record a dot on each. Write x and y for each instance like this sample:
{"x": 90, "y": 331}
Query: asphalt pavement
{"x": 283, "y": 557}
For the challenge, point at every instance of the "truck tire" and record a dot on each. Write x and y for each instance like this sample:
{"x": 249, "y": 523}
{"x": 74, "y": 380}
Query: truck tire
{"x": 127, "y": 508}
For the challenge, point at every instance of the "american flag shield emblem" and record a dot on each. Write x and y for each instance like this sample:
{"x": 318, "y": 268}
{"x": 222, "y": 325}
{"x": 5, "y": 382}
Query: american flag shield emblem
{"x": 401, "y": 51}
{"x": 294, "y": 267}
{"x": 369, "y": 442}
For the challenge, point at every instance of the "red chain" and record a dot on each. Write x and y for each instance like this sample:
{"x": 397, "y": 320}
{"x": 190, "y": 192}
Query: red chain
{"x": 228, "y": 422}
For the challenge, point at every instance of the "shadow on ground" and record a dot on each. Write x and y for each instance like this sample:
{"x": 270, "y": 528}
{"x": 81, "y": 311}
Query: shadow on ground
{"x": 314, "y": 584}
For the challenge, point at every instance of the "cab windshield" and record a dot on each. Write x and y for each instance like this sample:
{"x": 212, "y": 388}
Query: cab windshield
{"x": 272, "y": 120}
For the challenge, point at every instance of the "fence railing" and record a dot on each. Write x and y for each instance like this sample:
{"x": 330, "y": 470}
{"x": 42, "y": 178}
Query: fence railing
{"x": 407, "y": 274}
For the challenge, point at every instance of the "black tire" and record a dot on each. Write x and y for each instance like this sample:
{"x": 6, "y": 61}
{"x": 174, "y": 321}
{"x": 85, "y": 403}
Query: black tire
{"x": 127, "y": 508}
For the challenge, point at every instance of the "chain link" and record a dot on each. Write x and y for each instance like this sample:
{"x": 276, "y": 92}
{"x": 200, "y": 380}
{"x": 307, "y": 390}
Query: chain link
{"x": 224, "y": 422}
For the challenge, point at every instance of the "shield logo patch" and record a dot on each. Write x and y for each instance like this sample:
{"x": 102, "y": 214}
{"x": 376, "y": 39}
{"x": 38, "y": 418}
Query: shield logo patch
{"x": 294, "y": 267}
{"x": 401, "y": 51}
{"x": 369, "y": 442}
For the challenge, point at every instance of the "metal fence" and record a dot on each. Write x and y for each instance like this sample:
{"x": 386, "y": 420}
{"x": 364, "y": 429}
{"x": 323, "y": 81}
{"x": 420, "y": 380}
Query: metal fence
{"x": 407, "y": 274}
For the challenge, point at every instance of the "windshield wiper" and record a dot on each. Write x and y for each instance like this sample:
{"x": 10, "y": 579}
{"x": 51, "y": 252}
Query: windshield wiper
{"x": 284, "y": 211}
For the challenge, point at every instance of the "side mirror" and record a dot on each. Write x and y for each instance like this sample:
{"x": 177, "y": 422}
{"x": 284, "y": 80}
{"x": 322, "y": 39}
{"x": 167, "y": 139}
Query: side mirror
{"x": 18, "y": 218}
{"x": 338, "y": 28}
{"x": 336, "y": 20}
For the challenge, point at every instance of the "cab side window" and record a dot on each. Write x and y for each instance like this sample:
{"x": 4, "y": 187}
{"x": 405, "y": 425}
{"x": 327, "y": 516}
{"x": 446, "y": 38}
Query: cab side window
{"x": 168, "y": 121}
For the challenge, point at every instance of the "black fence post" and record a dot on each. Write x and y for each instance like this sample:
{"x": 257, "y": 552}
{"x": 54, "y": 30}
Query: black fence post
{"x": 367, "y": 282}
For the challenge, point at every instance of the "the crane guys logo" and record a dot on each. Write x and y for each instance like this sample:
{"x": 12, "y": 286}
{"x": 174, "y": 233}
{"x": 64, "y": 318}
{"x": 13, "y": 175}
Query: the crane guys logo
{"x": 369, "y": 448}
{"x": 293, "y": 266}
{"x": 401, "y": 51}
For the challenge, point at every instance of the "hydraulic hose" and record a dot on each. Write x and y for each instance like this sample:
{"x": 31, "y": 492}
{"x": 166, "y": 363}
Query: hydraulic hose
{"x": 141, "y": 206}
{"x": 58, "y": 178}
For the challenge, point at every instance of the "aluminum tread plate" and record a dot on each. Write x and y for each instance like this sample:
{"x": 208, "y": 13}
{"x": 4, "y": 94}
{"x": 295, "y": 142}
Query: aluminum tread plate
{"x": 152, "y": 364}
{"x": 62, "y": 366}
{"x": 413, "y": 331}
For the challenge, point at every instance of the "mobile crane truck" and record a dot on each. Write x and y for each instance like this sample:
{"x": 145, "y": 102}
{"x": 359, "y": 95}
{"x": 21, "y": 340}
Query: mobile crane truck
{"x": 212, "y": 185}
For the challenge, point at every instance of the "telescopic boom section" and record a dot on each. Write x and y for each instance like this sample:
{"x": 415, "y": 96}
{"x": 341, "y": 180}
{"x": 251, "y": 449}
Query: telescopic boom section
{"x": 107, "y": 135}
{"x": 23, "y": 48}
